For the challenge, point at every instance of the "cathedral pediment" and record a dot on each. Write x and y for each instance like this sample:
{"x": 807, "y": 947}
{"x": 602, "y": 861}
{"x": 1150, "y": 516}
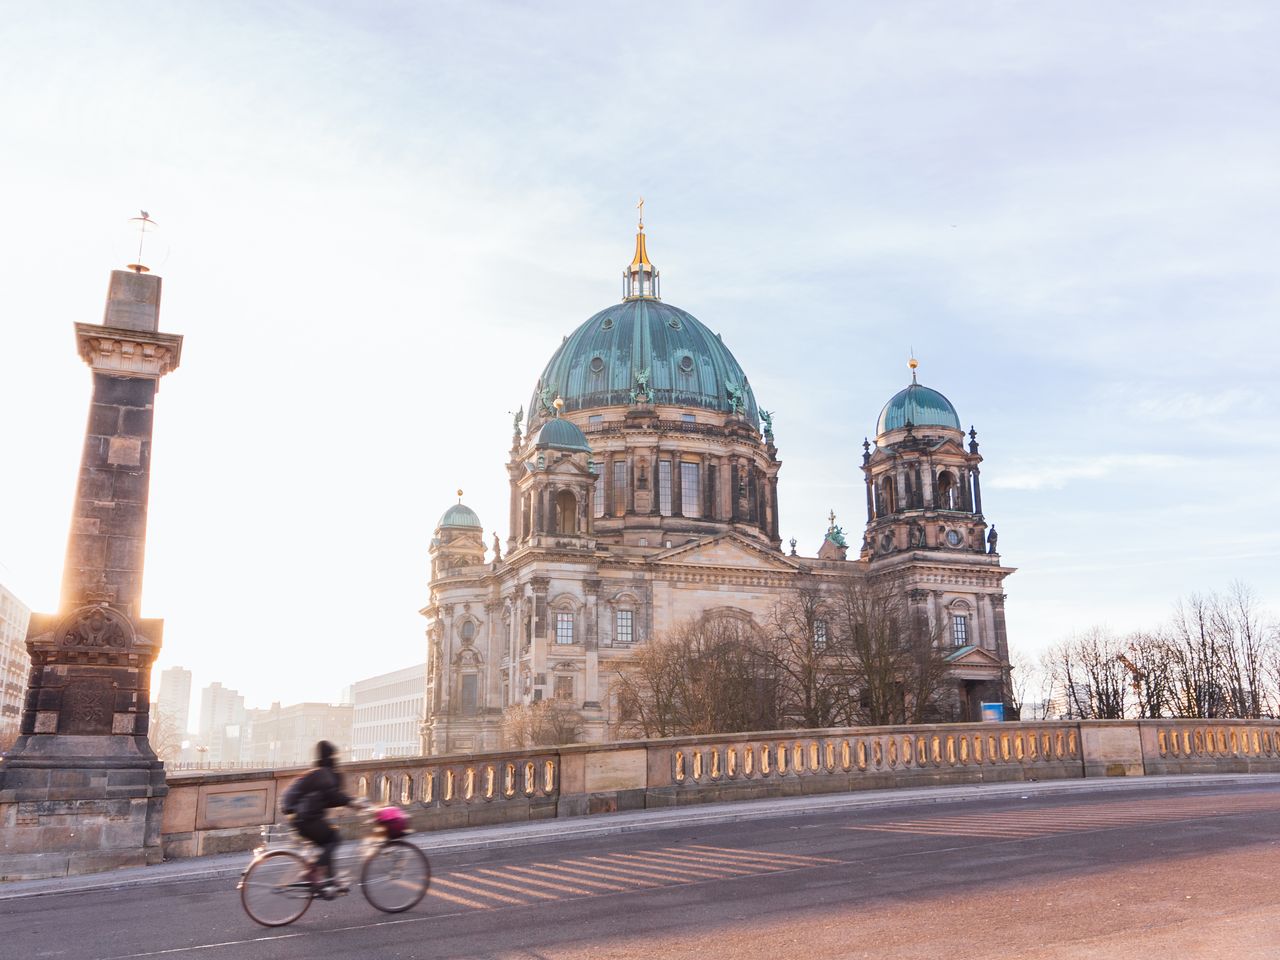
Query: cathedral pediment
{"x": 728, "y": 550}
{"x": 972, "y": 660}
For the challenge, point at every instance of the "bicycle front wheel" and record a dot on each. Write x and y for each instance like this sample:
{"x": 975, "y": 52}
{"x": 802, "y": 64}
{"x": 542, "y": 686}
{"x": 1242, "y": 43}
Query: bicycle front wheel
{"x": 276, "y": 889}
{"x": 395, "y": 876}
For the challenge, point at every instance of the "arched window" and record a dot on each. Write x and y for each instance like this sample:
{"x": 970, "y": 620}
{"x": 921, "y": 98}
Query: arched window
{"x": 468, "y": 630}
{"x": 961, "y": 634}
{"x": 887, "y": 497}
{"x": 566, "y": 512}
{"x": 948, "y": 491}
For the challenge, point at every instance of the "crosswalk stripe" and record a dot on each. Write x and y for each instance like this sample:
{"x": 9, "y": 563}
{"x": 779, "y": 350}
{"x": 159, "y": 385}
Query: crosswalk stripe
{"x": 581, "y": 876}
{"x": 500, "y": 897}
{"x": 577, "y": 891}
{"x": 612, "y": 873}
{"x": 754, "y": 865}
{"x": 800, "y": 860}
{"x": 435, "y": 891}
{"x": 676, "y": 860}
{"x": 505, "y": 886}
{"x": 647, "y": 871}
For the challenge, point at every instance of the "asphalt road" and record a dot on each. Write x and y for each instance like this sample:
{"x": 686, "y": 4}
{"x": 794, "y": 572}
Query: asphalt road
{"x": 1182, "y": 873}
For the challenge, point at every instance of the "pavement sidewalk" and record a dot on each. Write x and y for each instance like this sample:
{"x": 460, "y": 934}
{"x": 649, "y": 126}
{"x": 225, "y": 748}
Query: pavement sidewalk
{"x": 550, "y": 831}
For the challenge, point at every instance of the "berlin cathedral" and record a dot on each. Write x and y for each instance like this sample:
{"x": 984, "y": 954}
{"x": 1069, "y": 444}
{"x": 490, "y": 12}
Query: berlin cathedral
{"x": 644, "y": 493}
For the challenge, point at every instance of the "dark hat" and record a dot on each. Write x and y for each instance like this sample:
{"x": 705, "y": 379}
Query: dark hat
{"x": 325, "y": 752}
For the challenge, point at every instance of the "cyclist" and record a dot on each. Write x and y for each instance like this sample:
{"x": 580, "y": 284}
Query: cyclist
{"x": 306, "y": 801}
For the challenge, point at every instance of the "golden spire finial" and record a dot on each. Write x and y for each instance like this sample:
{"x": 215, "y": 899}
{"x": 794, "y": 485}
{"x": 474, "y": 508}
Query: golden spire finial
{"x": 913, "y": 363}
{"x": 641, "y": 259}
{"x": 459, "y": 494}
{"x": 558, "y": 403}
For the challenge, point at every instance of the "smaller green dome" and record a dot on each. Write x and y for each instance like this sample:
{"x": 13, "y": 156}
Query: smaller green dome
{"x": 560, "y": 434}
{"x": 460, "y": 515}
{"x": 921, "y": 407}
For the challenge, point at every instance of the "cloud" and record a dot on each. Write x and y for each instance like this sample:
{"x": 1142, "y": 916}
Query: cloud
{"x": 1054, "y": 473}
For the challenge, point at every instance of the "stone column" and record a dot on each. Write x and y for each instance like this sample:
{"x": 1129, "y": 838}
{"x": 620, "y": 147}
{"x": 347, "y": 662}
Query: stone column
{"x": 591, "y": 695}
{"x": 773, "y": 510}
{"x": 977, "y": 493}
{"x": 82, "y": 752}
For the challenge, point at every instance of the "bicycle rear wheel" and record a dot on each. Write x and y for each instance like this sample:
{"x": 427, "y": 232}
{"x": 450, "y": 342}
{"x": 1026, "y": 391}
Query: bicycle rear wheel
{"x": 395, "y": 876}
{"x": 276, "y": 889}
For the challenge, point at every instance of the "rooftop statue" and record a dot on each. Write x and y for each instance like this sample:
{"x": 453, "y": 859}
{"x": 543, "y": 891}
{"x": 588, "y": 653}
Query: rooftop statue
{"x": 734, "y": 391}
{"x": 767, "y": 417}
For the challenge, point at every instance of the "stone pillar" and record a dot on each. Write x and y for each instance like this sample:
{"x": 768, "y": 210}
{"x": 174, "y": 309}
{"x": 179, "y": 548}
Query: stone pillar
{"x": 977, "y": 493}
{"x": 591, "y": 695}
{"x": 82, "y": 790}
{"x": 514, "y": 470}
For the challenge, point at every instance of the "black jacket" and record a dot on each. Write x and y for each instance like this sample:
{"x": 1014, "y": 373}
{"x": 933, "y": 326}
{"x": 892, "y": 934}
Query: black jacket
{"x": 311, "y": 795}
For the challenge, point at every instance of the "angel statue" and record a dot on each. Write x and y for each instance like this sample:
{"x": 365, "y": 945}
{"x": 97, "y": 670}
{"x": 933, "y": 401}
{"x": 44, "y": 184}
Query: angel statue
{"x": 516, "y": 419}
{"x": 734, "y": 392}
{"x": 767, "y": 417}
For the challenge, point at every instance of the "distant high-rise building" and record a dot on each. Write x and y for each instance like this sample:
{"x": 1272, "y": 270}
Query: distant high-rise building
{"x": 174, "y": 701}
{"x": 287, "y": 736}
{"x": 388, "y": 717}
{"x": 14, "y": 662}
{"x": 222, "y": 718}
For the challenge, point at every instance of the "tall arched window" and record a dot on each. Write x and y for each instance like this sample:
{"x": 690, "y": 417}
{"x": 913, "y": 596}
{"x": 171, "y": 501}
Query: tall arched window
{"x": 948, "y": 491}
{"x": 566, "y": 512}
{"x": 887, "y": 494}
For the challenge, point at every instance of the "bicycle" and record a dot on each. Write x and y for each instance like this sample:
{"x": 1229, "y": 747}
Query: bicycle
{"x": 276, "y": 887}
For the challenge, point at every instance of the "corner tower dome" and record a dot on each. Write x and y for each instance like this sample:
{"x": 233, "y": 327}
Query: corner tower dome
{"x": 643, "y": 347}
{"x": 918, "y": 405}
{"x": 460, "y": 516}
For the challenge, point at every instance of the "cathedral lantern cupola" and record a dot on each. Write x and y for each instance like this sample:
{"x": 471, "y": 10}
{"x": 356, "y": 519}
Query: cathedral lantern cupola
{"x": 458, "y": 540}
{"x": 640, "y": 280}
{"x": 923, "y": 490}
{"x": 553, "y": 488}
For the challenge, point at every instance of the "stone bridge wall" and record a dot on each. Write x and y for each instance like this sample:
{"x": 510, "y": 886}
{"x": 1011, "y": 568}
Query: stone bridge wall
{"x": 219, "y": 812}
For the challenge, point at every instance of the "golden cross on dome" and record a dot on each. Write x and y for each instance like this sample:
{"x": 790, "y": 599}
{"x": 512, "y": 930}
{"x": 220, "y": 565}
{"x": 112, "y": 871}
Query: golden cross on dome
{"x": 640, "y": 207}
{"x": 832, "y": 517}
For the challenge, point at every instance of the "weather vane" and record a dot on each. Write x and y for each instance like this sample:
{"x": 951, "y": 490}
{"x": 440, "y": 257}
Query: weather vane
{"x": 144, "y": 225}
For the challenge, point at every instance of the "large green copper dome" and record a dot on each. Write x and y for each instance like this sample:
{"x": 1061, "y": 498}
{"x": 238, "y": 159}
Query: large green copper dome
{"x": 920, "y": 406}
{"x": 600, "y": 364}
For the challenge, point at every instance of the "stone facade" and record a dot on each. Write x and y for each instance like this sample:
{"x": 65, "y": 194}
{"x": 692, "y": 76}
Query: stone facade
{"x": 14, "y": 663}
{"x": 643, "y": 493}
{"x": 82, "y": 789}
{"x": 387, "y": 714}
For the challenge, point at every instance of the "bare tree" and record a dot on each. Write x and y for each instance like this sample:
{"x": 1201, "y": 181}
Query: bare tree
{"x": 813, "y": 690}
{"x": 1196, "y": 657}
{"x": 1090, "y": 674}
{"x": 541, "y": 724}
{"x": 1150, "y": 663}
{"x": 708, "y": 675}
{"x": 164, "y": 736}
{"x": 889, "y": 656}
{"x": 1030, "y": 688}
{"x": 1244, "y": 647}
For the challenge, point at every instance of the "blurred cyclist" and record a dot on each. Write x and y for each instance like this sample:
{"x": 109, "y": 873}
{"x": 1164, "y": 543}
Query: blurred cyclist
{"x": 306, "y": 801}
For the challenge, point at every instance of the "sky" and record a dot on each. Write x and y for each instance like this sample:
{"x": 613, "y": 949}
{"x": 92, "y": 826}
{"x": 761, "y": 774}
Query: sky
{"x": 379, "y": 220}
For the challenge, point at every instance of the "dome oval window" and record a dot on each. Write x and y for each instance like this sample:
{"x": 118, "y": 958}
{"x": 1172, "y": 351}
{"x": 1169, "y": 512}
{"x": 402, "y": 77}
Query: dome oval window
{"x": 674, "y": 323}
{"x": 607, "y": 323}
{"x": 597, "y": 365}
{"x": 686, "y": 364}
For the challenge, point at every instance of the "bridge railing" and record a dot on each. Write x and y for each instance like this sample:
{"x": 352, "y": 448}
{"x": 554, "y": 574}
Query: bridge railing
{"x": 216, "y": 812}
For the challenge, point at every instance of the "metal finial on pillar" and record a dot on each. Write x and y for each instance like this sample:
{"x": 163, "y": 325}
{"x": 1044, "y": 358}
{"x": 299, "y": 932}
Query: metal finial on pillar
{"x": 144, "y": 225}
